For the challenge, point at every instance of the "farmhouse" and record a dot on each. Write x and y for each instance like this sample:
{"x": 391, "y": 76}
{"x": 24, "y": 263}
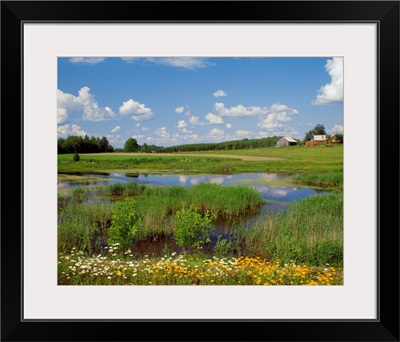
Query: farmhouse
{"x": 286, "y": 141}
{"x": 320, "y": 139}
{"x": 334, "y": 139}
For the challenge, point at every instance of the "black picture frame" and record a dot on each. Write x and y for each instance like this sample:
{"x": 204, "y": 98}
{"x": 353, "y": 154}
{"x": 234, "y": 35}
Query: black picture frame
{"x": 384, "y": 328}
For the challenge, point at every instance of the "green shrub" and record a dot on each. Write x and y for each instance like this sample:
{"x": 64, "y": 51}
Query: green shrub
{"x": 124, "y": 223}
{"x": 222, "y": 248}
{"x": 191, "y": 228}
{"x": 76, "y": 157}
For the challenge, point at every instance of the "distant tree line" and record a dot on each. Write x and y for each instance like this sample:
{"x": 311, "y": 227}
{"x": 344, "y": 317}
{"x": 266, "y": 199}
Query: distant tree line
{"x": 77, "y": 144}
{"x": 226, "y": 145}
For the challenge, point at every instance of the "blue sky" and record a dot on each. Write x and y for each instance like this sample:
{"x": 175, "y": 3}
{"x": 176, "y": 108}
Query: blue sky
{"x": 172, "y": 101}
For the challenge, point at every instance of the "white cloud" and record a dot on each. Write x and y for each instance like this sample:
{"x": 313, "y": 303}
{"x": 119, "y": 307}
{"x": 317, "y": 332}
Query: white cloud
{"x": 191, "y": 137}
{"x": 86, "y": 102}
{"x": 183, "y": 109}
{"x": 149, "y": 139}
{"x": 138, "y": 136}
{"x": 66, "y": 103}
{"x": 194, "y": 120}
{"x": 241, "y": 132}
{"x": 181, "y": 62}
{"x": 181, "y": 124}
{"x": 185, "y": 130}
{"x": 286, "y": 131}
{"x": 87, "y": 60}
{"x": 214, "y": 119}
{"x": 272, "y": 121}
{"x": 129, "y": 59}
{"x": 91, "y": 109}
{"x": 162, "y": 132}
{"x": 263, "y": 134}
{"x": 277, "y": 115}
{"x": 216, "y": 132}
{"x": 180, "y": 109}
{"x": 137, "y": 111}
{"x": 220, "y": 93}
{"x": 332, "y": 92}
{"x": 62, "y": 115}
{"x": 116, "y": 129}
{"x": 137, "y": 125}
{"x": 241, "y": 110}
{"x": 336, "y": 129}
{"x": 70, "y": 129}
{"x": 228, "y": 125}
{"x": 115, "y": 140}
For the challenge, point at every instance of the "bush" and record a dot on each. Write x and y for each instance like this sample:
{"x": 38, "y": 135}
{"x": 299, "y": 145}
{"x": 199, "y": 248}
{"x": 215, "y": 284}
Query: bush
{"x": 191, "y": 228}
{"x": 222, "y": 248}
{"x": 124, "y": 223}
{"x": 76, "y": 157}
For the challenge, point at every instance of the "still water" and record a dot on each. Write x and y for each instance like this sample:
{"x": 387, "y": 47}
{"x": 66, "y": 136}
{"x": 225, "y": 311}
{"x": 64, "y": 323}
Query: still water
{"x": 277, "y": 196}
{"x": 256, "y": 180}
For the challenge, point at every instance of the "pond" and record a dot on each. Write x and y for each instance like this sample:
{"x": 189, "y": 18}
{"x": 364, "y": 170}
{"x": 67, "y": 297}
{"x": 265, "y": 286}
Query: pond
{"x": 277, "y": 196}
{"x": 257, "y": 180}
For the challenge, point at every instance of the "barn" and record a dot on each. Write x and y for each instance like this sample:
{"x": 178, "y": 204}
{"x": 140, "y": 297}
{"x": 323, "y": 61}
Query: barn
{"x": 286, "y": 141}
{"x": 320, "y": 139}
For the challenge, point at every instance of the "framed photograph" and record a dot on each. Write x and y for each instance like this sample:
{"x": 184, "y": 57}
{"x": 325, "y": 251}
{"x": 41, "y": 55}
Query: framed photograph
{"x": 208, "y": 164}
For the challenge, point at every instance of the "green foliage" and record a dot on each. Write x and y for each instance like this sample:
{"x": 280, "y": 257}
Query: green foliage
{"x": 223, "y": 248}
{"x": 327, "y": 179}
{"x": 76, "y": 157}
{"x": 82, "y": 226}
{"x": 125, "y": 221}
{"x": 77, "y": 144}
{"x": 224, "y": 146}
{"x": 79, "y": 194}
{"x": 309, "y": 231}
{"x": 191, "y": 228}
{"x": 340, "y": 137}
{"x": 317, "y": 130}
{"x": 131, "y": 145}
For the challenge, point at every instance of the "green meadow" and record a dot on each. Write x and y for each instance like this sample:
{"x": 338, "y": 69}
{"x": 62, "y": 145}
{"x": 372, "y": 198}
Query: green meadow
{"x": 99, "y": 226}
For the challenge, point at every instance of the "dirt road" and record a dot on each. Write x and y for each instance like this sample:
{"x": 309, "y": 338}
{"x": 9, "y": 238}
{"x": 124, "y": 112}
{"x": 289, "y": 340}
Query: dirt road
{"x": 249, "y": 158}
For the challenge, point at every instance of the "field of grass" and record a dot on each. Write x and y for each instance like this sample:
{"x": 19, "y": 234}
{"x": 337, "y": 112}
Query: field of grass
{"x": 325, "y": 162}
{"x": 97, "y": 225}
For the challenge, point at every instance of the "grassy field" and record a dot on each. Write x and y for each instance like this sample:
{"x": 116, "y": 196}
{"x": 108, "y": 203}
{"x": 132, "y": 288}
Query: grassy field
{"x": 302, "y": 245}
{"x": 319, "y": 166}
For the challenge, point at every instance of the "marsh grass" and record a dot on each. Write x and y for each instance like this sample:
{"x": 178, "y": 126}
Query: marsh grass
{"x": 81, "y": 223}
{"x": 309, "y": 231}
{"x": 326, "y": 179}
{"x": 83, "y": 226}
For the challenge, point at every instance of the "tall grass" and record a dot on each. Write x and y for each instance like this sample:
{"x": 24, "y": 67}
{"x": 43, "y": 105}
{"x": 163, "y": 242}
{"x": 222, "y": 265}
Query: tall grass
{"x": 83, "y": 226}
{"x": 81, "y": 223}
{"x": 310, "y": 231}
{"x": 327, "y": 179}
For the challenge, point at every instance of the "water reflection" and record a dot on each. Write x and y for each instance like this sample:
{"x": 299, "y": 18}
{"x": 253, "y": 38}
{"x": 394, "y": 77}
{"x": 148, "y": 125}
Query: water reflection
{"x": 268, "y": 192}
